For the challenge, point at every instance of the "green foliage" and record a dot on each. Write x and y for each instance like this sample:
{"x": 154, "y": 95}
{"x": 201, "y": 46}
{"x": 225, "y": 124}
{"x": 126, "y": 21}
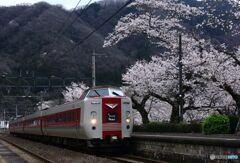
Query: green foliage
{"x": 216, "y": 124}
{"x": 233, "y": 123}
{"x": 169, "y": 127}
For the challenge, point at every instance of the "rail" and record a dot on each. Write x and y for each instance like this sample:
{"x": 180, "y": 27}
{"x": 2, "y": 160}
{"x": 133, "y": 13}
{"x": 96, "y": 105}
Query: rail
{"x": 133, "y": 159}
{"x": 45, "y": 160}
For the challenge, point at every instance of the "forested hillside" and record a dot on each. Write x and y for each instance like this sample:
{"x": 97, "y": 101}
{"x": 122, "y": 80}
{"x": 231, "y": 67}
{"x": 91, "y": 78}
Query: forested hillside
{"x": 30, "y": 39}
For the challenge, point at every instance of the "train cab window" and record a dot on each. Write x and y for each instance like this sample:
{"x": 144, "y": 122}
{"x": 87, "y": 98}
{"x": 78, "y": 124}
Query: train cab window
{"x": 105, "y": 92}
{"x": 116, "y": 92}
{"x": 98, "y": 92}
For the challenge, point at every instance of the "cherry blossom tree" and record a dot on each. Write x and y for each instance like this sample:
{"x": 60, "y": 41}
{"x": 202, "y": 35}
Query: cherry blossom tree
{"x": 74, "y": 91}
{"x": 45, "y": 105}
{"x": 209, "y": 72}
{"x": 161, "y": 28}
{"x": 223, "y": 15}
{"x": 159, "y": 78}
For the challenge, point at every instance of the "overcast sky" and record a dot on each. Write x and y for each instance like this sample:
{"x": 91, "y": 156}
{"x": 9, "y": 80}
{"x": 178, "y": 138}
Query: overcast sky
{"x": 66, "y": 3}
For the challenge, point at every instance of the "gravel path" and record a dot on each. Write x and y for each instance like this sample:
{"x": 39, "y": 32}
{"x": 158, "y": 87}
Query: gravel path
{"x": 57, "y": 154}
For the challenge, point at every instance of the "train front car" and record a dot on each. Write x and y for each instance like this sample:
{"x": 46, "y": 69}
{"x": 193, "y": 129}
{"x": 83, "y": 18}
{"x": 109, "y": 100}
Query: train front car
{"x": 107, "y": 117}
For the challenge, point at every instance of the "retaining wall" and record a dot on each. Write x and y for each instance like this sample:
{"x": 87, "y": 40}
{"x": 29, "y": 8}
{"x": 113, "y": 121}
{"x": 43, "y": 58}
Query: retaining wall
{"x": 187, "y": 148}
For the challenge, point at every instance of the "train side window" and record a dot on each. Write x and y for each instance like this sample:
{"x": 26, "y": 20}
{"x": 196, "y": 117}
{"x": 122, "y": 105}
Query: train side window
{"x": 64, "y": 117}
{"x": 60, "y": 118}
{"x": 69, "y": 117}
{"x": 56, "y": 118}
{"x": 74, "y": 118}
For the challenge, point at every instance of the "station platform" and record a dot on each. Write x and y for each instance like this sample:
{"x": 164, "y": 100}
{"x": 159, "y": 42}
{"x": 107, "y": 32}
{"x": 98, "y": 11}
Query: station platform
{"x": 8, "y": 156}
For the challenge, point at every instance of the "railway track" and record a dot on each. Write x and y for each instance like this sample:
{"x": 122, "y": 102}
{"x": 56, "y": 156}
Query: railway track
{"x": 117, "y": 158}
{"x": 133, "y": 159}
{"x": 39, "y": 157}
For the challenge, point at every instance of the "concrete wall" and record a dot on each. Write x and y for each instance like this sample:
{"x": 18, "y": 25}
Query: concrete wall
{"x": 182, "y": 149}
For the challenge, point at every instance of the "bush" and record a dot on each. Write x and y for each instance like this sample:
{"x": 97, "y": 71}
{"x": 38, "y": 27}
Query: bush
{"x": 233, "y": 123}
{"x": 169, "y": 127}
{"x": 216, "y": 124}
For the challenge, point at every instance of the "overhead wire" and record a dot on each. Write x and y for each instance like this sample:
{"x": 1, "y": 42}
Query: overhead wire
{"x": 86, "y": 7}
{"x": 98, "y": 27}
{"x": 64, "y": 27}
{"x": 59, "y": 33}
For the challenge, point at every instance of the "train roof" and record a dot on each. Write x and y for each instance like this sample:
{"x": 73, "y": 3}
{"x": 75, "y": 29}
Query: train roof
{"x": 38, "y": 113}
{"x": 105, "y": 86}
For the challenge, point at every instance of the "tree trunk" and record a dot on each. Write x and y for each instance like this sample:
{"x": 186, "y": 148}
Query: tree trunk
{"x": 174, "y": 116}
{"x": 235, "y": 96}
{"x": 144, "y": 115}
{"x": 237, "y": 127}
{"x": 174, "y": 103}
{"x": 140, "y": 107}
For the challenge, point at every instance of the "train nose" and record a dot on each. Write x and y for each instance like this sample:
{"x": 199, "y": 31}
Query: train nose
{"x": 111, "y": 118}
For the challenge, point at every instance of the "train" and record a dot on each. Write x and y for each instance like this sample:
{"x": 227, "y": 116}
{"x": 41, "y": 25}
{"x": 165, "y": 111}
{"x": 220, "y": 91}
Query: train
{"x": 101, "y": 117}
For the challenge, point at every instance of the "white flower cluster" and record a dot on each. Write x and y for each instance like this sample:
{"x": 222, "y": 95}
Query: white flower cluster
{"x": 74, "y": 91}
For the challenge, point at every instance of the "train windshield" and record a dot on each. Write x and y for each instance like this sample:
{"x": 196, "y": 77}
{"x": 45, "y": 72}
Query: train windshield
{"x": 116, "y": 92}
{"x": 105, "y": 92}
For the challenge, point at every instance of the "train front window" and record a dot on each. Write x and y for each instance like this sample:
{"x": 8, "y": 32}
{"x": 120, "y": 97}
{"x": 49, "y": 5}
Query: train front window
{"x": 116, "y": 92}
{"x": 105, "y": 92}
{"x": 98, "y": 92}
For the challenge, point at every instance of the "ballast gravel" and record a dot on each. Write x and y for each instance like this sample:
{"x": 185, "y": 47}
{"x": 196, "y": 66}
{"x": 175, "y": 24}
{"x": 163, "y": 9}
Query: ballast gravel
{"x": 56, "y": 154}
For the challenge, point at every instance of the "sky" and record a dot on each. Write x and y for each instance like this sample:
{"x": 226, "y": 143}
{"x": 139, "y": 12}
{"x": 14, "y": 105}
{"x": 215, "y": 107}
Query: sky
{"x": 68, "y": 4}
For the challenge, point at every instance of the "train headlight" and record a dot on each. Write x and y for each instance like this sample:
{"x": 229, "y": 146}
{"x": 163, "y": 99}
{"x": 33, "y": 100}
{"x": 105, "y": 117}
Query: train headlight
{"x": 128, "y": 116}
{"x": 93, "y": 121}
{"x": 93, "y": 117}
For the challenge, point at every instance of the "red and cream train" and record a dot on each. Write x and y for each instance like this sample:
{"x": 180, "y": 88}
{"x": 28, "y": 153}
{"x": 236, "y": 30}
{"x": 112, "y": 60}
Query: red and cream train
{"x": 102, "y": 116}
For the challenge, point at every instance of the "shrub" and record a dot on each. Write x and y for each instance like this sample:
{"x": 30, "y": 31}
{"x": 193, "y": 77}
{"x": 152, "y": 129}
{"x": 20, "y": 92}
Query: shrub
{"x": 216, "y": 124}
{"x": 233, "y": 123}
{"x": 169, "y": 127}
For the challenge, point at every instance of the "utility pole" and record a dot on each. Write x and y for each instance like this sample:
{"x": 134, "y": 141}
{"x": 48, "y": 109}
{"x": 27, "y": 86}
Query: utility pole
{"x": 94, "y": 66}
{"x": 4, "y": 115}
{"x": 180, "y": 78}
{"x": 93, "y": 69}
{"x": 41, "y": 100}
{"x": 16, "y": 110}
